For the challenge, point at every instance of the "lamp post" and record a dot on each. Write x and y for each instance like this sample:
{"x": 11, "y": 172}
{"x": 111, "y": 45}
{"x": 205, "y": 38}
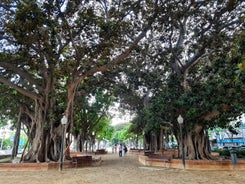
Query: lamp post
{"x": 63, "y": 123}
{"x": 130, "y": 143}
{"x": 93, "y": 139}
{"x": 98, "y": 147}
{"x": 180, "y": 121}
{"x": 3, "y": 137}
{"x": 144, "y": 141}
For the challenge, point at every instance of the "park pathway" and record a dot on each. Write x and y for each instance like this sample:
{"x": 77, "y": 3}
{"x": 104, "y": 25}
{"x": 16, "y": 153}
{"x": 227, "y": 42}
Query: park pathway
{"x": 123, "y": 170}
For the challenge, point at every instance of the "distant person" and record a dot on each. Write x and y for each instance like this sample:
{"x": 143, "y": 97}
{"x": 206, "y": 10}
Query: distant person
{"x": 120, "y": 149}
{"x": 115, "y": 148}
{"x": 125, "y": 149}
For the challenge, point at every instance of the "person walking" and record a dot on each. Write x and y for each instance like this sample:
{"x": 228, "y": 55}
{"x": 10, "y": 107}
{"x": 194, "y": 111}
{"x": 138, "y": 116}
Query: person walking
{"x": 120, "y": 149}
{"x": 115, "y": 148}
{"x": 125, "y": 149}
{"x": 112, "y": 148}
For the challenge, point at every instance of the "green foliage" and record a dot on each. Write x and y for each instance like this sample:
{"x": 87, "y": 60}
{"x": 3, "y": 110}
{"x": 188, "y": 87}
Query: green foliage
{"x": 103, "y": 130}
{"x": 239, "y": 152}
{"x": 6, "y": 143}
{"x": 91, "y": 111}
{"x": 8, "y": 108}
{"x": 125, "y": 133}
{"x": 223, "y": 152}
{"x": 108, "y": 132}
{"x": 212, "y": 88}
{"x": 3, "y": 123}
{"x": 239, "y": 51}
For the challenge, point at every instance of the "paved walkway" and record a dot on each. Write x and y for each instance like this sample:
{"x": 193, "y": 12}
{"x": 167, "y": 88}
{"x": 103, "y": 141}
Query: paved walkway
{"x": 123, "y": 170}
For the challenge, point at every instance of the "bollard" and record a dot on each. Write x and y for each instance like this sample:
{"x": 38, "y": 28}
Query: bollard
{"x": 233, "y": 157}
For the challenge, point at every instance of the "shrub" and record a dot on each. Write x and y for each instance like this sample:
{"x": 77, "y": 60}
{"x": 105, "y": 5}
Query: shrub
{"x": 227, "y": 153}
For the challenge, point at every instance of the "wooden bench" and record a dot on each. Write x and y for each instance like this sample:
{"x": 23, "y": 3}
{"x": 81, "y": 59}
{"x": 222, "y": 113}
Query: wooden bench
{"x": 101, "y": 151}
{"x": 148, "y": 153}
{"x": 82, "y": 161}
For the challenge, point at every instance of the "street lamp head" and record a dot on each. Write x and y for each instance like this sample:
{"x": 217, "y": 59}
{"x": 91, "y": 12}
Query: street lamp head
{"x": 64, "y": 120}
{"x": 180, "y": 120}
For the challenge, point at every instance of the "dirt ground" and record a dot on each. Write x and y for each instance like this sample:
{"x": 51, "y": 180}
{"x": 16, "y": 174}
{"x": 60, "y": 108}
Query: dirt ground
{"x": 123, "y": 170}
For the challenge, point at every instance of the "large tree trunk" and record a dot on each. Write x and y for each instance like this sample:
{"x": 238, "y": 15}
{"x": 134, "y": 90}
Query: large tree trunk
{"x": 37, "y": 152}
{"x": 45, "y": 132}
{"x": 16, "y": 137}
{"x": 71, "y": 91}
{"x": 196, "y": 144}
{"x": 46, "y": 140}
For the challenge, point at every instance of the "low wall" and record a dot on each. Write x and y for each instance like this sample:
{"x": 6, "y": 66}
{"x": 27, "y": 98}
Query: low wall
{"x": 33, "y": 166}
{"x": 172, "y": 153}
{"x": 192, "y": 164}
{"x": 82, "y": 161}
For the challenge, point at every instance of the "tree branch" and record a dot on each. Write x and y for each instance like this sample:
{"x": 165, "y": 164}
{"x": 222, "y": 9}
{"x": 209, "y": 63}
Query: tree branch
{"x": 20, "y": 72}
{"x": 19, "y": 89}
{"x": 121, "y": 58}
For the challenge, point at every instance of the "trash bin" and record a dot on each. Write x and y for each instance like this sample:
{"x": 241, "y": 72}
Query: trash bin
{"x": 233, "y": 157}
